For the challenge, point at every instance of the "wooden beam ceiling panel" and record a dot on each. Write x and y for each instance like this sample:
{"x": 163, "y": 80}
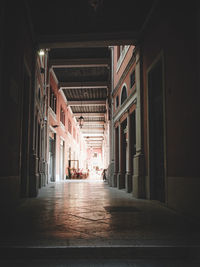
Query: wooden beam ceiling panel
{"x": 92, "y": 84}
{"x": 92, "y": 114}
{"x": 80, "y": 62}
{"x": 87, "y": 103}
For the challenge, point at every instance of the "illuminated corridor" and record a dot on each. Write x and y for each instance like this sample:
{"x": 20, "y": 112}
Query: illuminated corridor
{"x": 100, "y": 133}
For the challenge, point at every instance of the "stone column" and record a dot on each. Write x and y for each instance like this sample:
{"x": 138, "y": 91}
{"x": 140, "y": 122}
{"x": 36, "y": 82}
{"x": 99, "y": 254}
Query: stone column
{"x": 112, "y": 128}
{"x": 116, "y": 157}
{"x": 112, "y": 150}
{"x": 128, "y": 177}
{"x": 34, "y": 161}
{"x": 120, "y": 175}
{"x": 138, "y": 161}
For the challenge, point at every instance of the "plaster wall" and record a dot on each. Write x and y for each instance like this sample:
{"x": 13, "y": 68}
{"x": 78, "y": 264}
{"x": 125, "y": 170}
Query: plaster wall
{"x": 175, "y": 37}
{"x": 15, "y": 55}
{"x": 62, "y": 132}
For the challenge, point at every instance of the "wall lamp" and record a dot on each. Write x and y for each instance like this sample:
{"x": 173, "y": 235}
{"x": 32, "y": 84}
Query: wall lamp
{"x": 41, "y": 52}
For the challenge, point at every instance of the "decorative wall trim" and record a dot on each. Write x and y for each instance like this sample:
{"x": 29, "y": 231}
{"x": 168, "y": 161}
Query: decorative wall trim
{"x": 62, "y": 138}
{"x": 52, "y": 113}
{"x": 63, "y": 95}
{"x": 122, "y": 56}
{"x": 52, "y": 129}
{"x": 62, "y": 126}
{"x": 54, "y": 76}
{"x": 125, "y": 106}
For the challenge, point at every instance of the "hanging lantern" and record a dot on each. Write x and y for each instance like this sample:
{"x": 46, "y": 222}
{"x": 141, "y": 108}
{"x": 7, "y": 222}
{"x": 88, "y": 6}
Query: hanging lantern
{"x": 81, "y": 121}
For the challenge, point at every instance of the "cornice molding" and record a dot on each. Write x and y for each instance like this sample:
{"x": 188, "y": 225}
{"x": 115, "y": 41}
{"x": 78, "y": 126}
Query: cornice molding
{"x": 122, "y": 56}
{"x": 54, "y": 75}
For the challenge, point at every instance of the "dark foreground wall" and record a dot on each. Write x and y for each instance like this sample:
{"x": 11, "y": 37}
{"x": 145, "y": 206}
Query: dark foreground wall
{"x": 172, "y": 35}
{"x": 16, "y": 100}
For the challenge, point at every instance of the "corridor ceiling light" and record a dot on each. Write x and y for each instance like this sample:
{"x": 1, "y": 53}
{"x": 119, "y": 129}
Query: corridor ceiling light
{"x": 41, "y": 52}
{"x": 81, "y": 119}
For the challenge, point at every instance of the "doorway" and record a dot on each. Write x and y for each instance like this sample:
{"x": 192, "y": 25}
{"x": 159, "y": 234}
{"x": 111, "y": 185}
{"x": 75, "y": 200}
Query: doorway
{"x": 52, "y": 158}
{"x": 156, "y": 131}
{"x": 62, "y": 145}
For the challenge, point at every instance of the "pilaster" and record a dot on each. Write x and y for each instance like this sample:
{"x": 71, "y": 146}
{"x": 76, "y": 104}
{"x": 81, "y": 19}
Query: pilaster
{"x": 128, "y": 176}
{"x": 34, "y": 176}
{"x": 138, "y": 161}
{"x": 116, "y": 158}
{"x": 120, "y": 175}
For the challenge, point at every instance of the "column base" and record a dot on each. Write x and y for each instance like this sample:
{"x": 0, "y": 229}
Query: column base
{"x": 44, "y": 173}
{"x": 120, "y": 180}
{"x": 110, "y": 173}
{"x": 128, "y": 182}
{"x": 138, "y": 176}
{"x": 114, "y": 180}
{"x": 34, "y": 176}
{"x": 137, "y": 187}
{"x": 34, "y": 185}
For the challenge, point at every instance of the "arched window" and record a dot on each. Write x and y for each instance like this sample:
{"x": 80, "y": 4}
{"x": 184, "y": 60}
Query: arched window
{"x": 123, "y": 95}
{"x": 117, "y": 102}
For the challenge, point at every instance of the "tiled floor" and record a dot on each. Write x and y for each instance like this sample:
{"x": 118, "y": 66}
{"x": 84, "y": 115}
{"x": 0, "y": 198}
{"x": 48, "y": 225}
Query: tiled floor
{"x": 100, "y": 263}
{"x": 87, "y": 213}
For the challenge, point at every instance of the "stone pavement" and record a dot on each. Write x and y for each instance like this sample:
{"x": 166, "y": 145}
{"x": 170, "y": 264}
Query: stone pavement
{"x": 81, "y": 214}
{"x": 99, "y": 263}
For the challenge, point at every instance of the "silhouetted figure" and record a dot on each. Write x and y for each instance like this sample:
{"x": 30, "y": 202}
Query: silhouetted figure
{"x": 104, "y": 174}
{"x": 69, "y": 172}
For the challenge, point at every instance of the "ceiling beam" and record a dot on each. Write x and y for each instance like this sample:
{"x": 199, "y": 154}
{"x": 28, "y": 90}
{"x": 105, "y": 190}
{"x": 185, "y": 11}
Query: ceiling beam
{"x": 100, "y": 138}
{"x": 94, "y": 146}
{"x": 93, "y": 142}
{"x": 93, "y": 138}
{"x": 79, "y": 62}
{"x": 93, "y": 121}
{"x": 80, "y": 88}
{"x": 87, "y": 103}
{"x": 71, "y": 85}
{"x": 92, "y": 131}
{"x": 88, "y": 123}
{"x": 92, "y": 135}
{"x": 96, "y": 114}
{"x": 80, "y": 40}
{"x": 97, "y": 128}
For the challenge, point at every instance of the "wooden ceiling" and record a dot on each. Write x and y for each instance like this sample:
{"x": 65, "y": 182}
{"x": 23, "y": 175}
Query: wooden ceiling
{"x": 78, "y": 34}
{"x": 83, "y": 75}
{"x": 93, "y": 23}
